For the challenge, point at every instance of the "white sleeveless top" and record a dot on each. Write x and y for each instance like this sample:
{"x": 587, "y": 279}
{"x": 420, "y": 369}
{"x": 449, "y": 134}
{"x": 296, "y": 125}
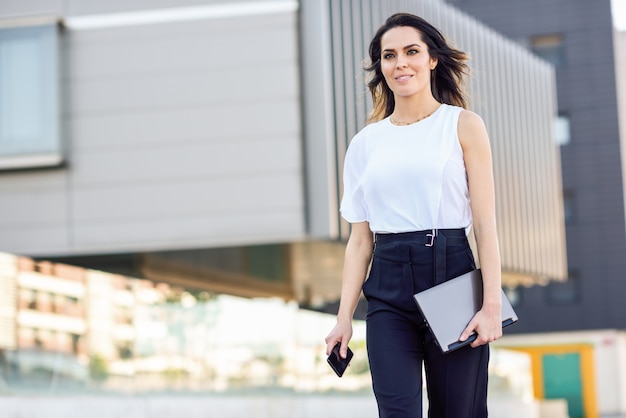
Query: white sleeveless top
{"x": 407, "y": 178}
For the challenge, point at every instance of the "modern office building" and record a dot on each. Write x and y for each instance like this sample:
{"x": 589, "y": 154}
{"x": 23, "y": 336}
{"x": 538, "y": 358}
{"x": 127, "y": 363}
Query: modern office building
{"x": 579, "y": 39}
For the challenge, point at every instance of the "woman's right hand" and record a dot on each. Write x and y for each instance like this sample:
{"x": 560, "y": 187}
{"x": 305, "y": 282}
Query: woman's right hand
{"x": 341, "y": 333}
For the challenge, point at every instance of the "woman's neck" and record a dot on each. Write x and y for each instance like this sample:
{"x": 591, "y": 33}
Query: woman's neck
{"x": 409, "y": 109}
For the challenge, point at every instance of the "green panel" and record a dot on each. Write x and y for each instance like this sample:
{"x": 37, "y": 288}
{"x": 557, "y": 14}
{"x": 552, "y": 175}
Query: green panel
{"x": 562, "y": 380}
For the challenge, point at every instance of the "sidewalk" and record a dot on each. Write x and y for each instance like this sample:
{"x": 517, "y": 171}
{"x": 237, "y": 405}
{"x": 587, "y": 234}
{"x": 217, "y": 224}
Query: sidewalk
{"x": 200, "y": 406}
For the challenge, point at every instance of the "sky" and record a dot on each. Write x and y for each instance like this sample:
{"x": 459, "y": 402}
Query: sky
{"x": 619, "y": 14}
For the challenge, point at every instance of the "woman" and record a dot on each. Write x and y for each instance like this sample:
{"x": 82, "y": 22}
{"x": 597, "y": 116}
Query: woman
{"x": 415, "y": 179}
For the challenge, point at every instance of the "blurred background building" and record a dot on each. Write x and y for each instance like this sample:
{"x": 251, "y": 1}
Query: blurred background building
{"x": 578, "y": 38}
{"x": 588, "y": 55}
{"x": 160, "y": 158}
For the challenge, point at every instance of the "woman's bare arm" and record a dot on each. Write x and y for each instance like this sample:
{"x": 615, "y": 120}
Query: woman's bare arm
{"x": 478, "y": 163}
{"x": 357, "y": 258}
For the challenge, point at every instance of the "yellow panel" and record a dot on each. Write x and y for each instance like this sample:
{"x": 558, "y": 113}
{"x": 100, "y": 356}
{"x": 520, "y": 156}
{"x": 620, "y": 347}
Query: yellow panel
{"x": 587, "y": 369}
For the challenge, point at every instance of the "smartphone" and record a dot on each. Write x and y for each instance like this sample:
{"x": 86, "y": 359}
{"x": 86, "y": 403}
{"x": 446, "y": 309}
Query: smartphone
{"x": 337, "y": 363}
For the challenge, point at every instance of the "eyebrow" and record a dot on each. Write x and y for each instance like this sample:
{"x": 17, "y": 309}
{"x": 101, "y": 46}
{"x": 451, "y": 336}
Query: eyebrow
{"x": 406, "y": 47}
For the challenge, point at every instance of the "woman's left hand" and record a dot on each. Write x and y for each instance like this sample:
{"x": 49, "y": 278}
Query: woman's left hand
{"x": 487, "y": 323}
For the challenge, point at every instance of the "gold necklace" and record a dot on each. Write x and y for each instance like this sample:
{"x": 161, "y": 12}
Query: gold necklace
{"x": 398, "y": 123}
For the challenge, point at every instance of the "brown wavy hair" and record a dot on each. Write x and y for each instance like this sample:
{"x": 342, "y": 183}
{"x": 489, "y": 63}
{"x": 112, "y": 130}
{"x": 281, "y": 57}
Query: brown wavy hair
{"x": 447, "y": 81}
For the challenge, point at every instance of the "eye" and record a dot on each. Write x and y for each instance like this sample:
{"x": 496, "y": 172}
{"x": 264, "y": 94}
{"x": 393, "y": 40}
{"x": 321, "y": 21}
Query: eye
{"x": 388, "y": 56}
{"x": 412, "y": 51}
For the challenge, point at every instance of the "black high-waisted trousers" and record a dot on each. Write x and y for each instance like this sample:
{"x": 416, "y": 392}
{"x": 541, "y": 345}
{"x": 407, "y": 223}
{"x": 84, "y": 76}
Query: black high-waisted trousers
{"x": 398, "y": 341}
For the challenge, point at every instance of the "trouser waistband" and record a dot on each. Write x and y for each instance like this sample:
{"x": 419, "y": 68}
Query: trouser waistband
{"x": 438, "y": 239}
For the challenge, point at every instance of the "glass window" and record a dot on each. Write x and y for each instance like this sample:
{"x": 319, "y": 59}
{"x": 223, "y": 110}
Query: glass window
{"x": 549, "y": 47}
{"x": 514, "y": 294}
{"x": 564, "y": 293}
{"x": 562, "y": 130}
{"x": 29, "y": 97}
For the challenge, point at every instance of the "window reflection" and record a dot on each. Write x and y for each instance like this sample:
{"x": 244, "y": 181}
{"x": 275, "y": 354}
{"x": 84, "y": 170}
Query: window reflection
{"x": 567, "y": 292}
{"x": 84, "y": 330}
{"x": 562, "y": 132}
{"x": 549, "y": 47}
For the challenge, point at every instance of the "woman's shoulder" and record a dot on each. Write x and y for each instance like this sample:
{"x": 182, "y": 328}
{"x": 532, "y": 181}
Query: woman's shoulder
{"x": 451, "y": 109}
{"x": 376, "y": 126}
{"x": 371, "y": 130}
{"x": 470, "y": 121}
{"x": 471, "y": 128}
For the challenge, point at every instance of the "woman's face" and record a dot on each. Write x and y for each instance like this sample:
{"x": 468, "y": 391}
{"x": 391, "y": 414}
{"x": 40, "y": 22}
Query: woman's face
{"x": 405, "y": 61}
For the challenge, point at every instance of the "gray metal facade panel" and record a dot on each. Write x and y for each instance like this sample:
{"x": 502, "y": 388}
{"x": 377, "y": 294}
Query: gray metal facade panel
{"x": 139, "y": 93}
{"x": 513, "y": 91}
{"x": 179, "y": 134}
{"x": 84, "y": 7}
{"x": 34, "y": 211}
{"x": 208, "y": 160}
{"x": 25, "y": 208}
{"x": 191, "y": 230}
{"x": 177, "y": 199}
{"x": 110, "y": 55}
{"x": 318, "y": 120}
{"x": 37, "y": 239}
{"x": 188, "y": 125}
{"x": 233, "y": 171}
{"x": 10, "y": 9}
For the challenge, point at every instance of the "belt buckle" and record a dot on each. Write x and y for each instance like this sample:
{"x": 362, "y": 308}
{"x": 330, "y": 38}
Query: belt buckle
{"x": 432, "y": 236}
